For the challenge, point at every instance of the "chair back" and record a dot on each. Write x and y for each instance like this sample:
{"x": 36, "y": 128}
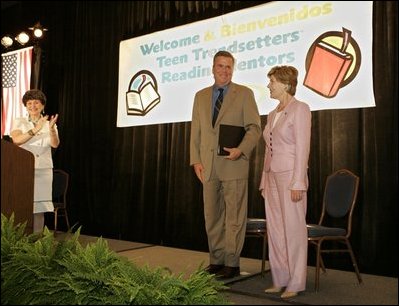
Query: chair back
{"x": 60, "y": 187}
{"x": 339, "y": 201}
{"x": 340, "y": 196}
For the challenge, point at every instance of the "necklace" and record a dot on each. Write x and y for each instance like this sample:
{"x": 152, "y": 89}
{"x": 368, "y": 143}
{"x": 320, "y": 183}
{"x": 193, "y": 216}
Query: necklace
{"x": 280, "y": 108}
{"x": 282, "y": 105}
{"x": 34, "y": 121}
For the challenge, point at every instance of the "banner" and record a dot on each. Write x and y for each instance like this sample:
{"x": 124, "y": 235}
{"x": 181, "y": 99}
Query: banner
{"x": 16, "y": 72}
{"x": 329, "y": 42}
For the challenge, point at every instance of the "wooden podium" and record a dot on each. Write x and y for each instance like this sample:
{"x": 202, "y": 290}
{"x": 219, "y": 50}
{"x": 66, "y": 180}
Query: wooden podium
{"x": 17, "y": 183}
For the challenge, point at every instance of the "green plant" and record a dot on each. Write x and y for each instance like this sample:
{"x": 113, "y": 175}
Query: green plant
{"x": 37, "y": 269}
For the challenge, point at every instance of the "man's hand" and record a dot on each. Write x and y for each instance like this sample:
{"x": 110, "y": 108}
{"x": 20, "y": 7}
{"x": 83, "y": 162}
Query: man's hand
{"x": 235, "y": 153}
{"x": 199, "y": 170}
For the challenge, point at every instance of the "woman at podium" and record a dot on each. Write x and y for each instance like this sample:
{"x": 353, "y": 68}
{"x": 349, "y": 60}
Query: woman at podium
{"x": 38, "y": 133}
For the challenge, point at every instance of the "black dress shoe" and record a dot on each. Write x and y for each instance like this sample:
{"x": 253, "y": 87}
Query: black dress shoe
{"x": 214, "y": 269}
{"x": 228, "y": 272}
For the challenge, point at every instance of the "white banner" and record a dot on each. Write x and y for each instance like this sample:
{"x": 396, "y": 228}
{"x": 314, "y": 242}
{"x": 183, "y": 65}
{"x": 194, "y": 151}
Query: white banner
{"x": 330, "y": 43}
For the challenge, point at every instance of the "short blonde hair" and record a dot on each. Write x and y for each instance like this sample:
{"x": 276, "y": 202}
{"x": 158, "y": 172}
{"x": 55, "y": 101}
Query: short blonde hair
{"x": 287, "y": 75}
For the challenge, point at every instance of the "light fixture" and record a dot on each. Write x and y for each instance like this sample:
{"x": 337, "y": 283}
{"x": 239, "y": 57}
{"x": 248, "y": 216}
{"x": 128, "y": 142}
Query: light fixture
{"x": 22, "y": 38}
{"x": 7, "y": 41}
{"x": 38, "y": 30}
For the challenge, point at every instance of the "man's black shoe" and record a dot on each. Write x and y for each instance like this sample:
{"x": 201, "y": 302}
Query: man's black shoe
{"x": 229, "y": 272}
{"x": 214, "y": 269}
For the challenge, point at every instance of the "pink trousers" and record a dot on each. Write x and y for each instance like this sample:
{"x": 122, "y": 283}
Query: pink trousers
{"x": 287, "y": 233}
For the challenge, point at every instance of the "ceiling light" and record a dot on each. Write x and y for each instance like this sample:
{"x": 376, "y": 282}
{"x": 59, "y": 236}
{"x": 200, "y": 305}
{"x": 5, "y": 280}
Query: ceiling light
{"x": 22, "y": 38}
{"x": 38, "y": 30}
{"x": 7, "y": 41}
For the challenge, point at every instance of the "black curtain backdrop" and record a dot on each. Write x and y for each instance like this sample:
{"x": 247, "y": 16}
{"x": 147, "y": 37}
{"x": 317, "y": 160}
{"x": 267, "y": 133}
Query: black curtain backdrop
{"x": 136, "y": 183}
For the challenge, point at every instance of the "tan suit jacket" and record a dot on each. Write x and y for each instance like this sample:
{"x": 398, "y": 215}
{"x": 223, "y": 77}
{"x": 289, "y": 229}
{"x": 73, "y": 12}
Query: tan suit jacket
{"x": 239, "y": 108}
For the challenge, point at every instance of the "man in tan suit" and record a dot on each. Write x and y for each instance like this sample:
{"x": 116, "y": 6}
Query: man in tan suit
{"x": 224, "y": 178}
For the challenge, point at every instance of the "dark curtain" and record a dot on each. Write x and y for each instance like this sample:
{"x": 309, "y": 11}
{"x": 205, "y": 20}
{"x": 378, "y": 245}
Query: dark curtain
{"x": 136, "y": 183}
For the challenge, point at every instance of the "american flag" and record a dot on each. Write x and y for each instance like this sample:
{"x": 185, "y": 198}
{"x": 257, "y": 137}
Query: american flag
{"x": 15, "y": 76}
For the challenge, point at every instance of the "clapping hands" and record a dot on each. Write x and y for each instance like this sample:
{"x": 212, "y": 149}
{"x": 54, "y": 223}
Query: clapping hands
{"x": 42, "y": 121}
{"x": 53, "y": 120}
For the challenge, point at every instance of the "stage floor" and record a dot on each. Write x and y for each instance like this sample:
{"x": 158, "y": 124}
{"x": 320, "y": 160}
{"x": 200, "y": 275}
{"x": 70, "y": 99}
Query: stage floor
{"x": 336, "y": 287}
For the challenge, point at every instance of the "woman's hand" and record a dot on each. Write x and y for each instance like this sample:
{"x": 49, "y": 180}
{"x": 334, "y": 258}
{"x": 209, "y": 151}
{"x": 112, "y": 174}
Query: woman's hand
{"x": 39, "y": 124}
{"x": 296, "y": 195}
{"x": 54, "y": 140}
{"x": 53, "y": 120}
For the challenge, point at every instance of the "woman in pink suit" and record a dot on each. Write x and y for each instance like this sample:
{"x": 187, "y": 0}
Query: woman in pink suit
{"x": 284, "y": 183}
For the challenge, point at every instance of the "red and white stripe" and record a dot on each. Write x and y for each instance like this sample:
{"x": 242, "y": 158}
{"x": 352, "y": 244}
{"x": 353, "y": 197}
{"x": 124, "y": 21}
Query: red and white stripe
{"x": 12, "y": 106}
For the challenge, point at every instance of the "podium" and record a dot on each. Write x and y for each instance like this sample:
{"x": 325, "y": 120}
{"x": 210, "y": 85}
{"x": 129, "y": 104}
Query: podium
{"x": 17, "y": 183}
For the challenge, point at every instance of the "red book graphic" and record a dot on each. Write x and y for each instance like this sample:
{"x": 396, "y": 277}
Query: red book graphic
{"x": 328, "y": 67}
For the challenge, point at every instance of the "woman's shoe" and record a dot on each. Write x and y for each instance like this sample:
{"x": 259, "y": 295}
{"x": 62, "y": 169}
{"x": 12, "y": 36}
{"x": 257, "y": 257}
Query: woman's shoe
{"x": 289, "y": 294}
{"x": 274, "y": 290}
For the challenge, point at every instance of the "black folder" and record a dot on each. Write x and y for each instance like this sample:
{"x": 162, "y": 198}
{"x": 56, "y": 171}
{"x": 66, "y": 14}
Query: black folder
{"x": 230, "y": 136}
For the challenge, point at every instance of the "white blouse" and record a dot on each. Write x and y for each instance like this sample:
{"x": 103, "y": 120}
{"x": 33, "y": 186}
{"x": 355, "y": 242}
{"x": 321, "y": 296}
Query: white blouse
{"x": 39, "y": 144}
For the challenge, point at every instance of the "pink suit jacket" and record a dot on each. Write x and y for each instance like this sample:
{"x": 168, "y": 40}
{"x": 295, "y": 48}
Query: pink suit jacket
{"x": 288, "y": 144}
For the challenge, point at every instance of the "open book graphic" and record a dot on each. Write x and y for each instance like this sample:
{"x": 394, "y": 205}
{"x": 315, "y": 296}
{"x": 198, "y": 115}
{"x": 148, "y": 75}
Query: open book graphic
{"x": 142, "y": 101}
{"x": 328, "y": 67}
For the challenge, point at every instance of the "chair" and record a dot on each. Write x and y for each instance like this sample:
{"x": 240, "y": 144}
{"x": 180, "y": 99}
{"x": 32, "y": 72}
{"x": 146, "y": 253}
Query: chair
{"x": 257, "y": 228}
{"x": 60, "y": 188}
{"x": 339, "y": 201}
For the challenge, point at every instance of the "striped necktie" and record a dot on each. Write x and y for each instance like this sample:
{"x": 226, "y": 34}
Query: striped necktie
{"x": 218, "y": 105}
